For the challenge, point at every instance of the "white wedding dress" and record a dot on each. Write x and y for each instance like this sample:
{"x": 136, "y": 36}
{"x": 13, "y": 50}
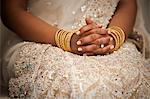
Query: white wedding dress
{"x": 42, "y": 71}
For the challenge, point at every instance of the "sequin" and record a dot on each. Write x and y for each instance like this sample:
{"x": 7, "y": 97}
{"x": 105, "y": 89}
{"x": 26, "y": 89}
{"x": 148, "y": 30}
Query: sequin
{"x": 73, "y": 12}
{"x": 44, "y": 71}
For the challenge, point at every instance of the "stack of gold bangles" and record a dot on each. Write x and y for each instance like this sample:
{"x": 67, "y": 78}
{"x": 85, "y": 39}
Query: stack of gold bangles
{"x": 118, "y": 35}
{"x": 63, "y": 39}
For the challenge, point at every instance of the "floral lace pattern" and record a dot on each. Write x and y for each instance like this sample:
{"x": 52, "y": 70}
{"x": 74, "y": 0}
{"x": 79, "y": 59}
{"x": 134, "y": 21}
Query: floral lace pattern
{"x": 43, "y": 71}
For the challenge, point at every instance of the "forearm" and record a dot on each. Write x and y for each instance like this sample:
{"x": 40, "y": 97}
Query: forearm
{"x": 28, "y": 26}
{"x": 125, "y": 15}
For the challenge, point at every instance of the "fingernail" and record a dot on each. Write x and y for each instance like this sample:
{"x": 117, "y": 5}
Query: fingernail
{"x": 78, "y": 42}
{"x": 111, "y": 39}
{"x": 109, "y": 32}
{"x": 79, "y": 49}
{"x": 112, "y": 47}
{"x": 78, "y": 32}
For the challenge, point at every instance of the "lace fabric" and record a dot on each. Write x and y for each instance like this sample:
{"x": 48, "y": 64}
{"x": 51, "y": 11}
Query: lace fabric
{"x": 43, "y": 71}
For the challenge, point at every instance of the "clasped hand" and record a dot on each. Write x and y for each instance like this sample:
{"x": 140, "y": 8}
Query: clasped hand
{"x": 93, "y": 39}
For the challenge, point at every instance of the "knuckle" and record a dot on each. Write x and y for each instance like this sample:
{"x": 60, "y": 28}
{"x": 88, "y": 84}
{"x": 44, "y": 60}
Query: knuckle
{"x": 96, "y": 31}
{"x": 93, "y": 25}
{"x": 104, "y": 50}
{"x": 90, "y": 32}
{"x": 93, "y": 36}
{"x": 87, "y": 49}
{"x": 83, "y": 29}
{"x": 96, "y": 42}
{"x": 84, "y": 49}
{"x": 94, "y": 47}
{"x": 99, "y": 41}
{"x": 91, "y": 48}
{"x": 103, "y": 31}
{"x": 105, "y": 40}
{"x": 98, "y": 51}
{"x": 89, "y": 26}
{"x": 107, "y": 49}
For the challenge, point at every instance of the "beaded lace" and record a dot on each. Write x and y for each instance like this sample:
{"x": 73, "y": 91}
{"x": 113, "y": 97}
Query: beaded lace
{"x": 46, "y": 72}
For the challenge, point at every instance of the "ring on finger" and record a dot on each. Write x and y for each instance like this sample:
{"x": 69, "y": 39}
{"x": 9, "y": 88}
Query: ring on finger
{"x": 102, "y": 45}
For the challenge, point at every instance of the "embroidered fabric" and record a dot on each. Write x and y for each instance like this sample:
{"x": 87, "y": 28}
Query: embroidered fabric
{"x": 73, "y": 16}
{"x": 43, "y": 71}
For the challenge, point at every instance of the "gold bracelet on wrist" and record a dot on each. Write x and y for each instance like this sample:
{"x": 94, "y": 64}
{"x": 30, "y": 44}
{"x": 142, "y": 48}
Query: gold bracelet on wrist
{"x": 121, "y": 32}
{"x": 116, "y": 39}
{"x": 68, "y": 41}
{"x": 57, "y": 37}
{"x": 119, "y": 36}
{"x": 65, "y": 45}
{"x": 63, "y": 39}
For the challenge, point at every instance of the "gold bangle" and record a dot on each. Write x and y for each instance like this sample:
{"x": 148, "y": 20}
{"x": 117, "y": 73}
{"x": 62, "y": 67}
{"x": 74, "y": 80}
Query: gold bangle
{"x": 65, "y": 42}
{"x": 116, "y": 40}
{"x": 57, "y": 37}
{"x": 118, "y": 34}
{"x": 63, "y": 39}
{"x": 121, "y": 32}
{"x": 68, "y": 41}
{"x": 60, "y": 37}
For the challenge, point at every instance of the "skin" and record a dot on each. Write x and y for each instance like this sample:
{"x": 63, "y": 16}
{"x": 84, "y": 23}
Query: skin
{"x": 124, "y": 17}
{"x": 93, "y": 37}
{"x": 23, "y": 23}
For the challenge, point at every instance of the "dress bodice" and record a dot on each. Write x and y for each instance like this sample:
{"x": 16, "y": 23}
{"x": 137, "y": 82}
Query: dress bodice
{"x": 66, "y": 14}
{"x": 71, "y": 14}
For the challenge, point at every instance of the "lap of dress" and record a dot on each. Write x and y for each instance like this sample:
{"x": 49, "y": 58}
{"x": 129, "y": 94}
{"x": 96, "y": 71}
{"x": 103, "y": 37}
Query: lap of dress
{"x": 44, "y": 71}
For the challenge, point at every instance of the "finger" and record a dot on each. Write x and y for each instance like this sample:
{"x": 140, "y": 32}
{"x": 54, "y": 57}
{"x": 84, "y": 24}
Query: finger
{"x": 88, "y": 48}
{"x": 88, "y": 39}
{"x": 102, "y": 31}
{"x": 87, "y": 28}
{"x": 102, "y": 40}
{"x": 95, "y": 30}
{"x": 89, "y": 20}
{"x": 112, "y": 42}
{"x": 104, "y": 50}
